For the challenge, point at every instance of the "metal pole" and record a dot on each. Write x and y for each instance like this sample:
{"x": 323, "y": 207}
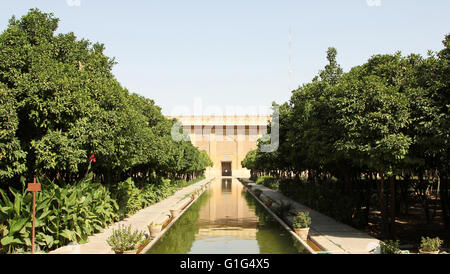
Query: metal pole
{"x": 32, "y": 232}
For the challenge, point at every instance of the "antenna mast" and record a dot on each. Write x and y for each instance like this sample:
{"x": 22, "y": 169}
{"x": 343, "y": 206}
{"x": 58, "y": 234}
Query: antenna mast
{"x": 290, "y": 70}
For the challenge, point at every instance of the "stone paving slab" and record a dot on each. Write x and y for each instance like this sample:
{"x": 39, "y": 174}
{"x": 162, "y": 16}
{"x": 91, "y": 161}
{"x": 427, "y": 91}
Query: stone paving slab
{"x": 327, "y": 233}
{"x": 158, "y": 213}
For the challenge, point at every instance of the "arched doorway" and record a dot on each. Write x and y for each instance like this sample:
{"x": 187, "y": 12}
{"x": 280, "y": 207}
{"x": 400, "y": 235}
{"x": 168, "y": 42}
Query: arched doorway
{"x": 226, "y": 169}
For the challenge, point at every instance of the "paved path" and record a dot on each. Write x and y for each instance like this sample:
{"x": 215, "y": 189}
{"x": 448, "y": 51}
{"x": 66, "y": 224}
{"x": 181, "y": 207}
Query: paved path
{"x": 328, "y": 234}
{"x": 158, "y": 213}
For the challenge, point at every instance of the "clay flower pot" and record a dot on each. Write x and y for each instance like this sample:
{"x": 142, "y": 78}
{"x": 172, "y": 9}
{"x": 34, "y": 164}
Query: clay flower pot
{"x": 174, "y": 213}
{"x": 134, "y": 251}
{"x": 302, "y": 232}
{"x": 154, "y": 230}
{"x": 428, "y": 252}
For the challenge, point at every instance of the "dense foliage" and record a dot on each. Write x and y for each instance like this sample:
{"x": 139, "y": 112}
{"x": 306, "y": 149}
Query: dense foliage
{"x": 63, "y": 214}
{"x": 73, "y": 212}
{"x": 382, "y": 128}
{"x": 428, "y": 244}
{"x": 60, "y": 104}
{"x": 390, "y": 247}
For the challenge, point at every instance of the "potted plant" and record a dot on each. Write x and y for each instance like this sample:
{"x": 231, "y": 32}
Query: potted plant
{"x": 174, "y": 213}
{"x": 430, "y": 245}
{"x": 195, "y": 194}
{"x": 125, "y": 241}
{"x": 301, "y": 224}
{"x": 390, "y": 247}
{"x": 154, "y": 229}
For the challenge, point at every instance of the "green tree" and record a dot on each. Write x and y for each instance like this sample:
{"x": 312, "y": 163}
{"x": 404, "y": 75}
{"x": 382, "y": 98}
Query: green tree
{"x": 12, "y": 157}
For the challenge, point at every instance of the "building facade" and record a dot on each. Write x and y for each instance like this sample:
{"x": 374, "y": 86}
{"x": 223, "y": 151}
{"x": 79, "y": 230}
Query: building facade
{"x": 226, "y": 139}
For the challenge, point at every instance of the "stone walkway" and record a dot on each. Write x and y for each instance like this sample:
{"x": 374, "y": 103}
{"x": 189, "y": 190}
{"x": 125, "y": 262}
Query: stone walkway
{"x": 158, "y": 213}
{"x": 325, "y": 232}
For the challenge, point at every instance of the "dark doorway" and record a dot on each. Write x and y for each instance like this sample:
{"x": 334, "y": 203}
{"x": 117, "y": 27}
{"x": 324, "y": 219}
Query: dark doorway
{"x": 226, "y": 169}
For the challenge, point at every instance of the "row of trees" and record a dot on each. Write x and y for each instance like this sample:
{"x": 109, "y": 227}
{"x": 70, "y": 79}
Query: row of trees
{"x": 60, "y": 104}
{"x": 384, "y": 124}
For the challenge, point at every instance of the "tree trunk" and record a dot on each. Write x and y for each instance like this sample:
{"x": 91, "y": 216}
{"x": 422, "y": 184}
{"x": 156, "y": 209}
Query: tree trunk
{"x": 439, "y": 183}
{"x": 424, "y": 197}
{"x": 392, "y": 208}
{"x": 404, "y": 194}
{"x": 381, "y": 197}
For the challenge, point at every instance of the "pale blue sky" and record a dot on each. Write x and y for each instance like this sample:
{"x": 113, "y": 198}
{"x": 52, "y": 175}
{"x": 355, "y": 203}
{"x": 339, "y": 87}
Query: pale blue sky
{"x": 235, "y": 53}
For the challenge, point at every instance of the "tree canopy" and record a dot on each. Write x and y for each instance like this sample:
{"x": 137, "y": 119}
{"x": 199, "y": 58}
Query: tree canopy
{"x": 60, "y": 103}
{"x": 387, "y": 118}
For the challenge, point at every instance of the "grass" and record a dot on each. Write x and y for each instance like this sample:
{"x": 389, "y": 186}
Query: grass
{"x": 269, "y": 182}
{"x": 185, "y": 184}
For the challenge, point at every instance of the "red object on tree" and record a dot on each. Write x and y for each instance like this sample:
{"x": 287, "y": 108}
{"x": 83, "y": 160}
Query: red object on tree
{"x": 92, "y": 158}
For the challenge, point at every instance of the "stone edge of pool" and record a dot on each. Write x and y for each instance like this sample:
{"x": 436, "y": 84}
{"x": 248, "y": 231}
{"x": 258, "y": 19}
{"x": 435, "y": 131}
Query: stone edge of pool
{"x": 283, "y": 224}
{"x": 327, "y": 234}
{"x": 156, "y": 212}
{"x": 174, "y": 220}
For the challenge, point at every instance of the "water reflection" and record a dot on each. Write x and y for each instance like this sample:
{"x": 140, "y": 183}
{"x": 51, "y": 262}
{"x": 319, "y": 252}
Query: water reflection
{"x": 226, "y": 220}
{"x": 226, "y": 185}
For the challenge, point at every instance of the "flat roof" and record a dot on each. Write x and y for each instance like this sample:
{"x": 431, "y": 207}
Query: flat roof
{"x": 262, "y": 120}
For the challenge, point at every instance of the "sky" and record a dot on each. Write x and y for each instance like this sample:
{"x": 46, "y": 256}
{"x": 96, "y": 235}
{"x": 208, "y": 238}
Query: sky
{"x": 238, "y": 56}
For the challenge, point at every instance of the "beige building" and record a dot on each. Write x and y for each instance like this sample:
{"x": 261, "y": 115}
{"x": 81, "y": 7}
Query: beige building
{"x": 226, "y": 139}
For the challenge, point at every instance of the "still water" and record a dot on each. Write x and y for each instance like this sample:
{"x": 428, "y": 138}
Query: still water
{"x": 227, "y": 220}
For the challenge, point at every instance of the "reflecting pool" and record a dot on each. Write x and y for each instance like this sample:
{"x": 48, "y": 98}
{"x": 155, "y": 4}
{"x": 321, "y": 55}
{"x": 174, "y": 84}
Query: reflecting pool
{"x": 227, "y": 220}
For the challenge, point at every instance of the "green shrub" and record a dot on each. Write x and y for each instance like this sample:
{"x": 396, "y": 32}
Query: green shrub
{"x": 430, "y": 244}
{"x": 390, "y": 247}
{"x": 72, "y": 212}
{"x": 149, "y": 195}
{"x": 64, "y": 214}
{"x": 261, "y": 179}
{"x": 302, "y": 220}
{"x": 268, "y": 181}
{"x": 328, "y": 198}
{"x": 283, "y": 209}
{"x": 258, "y": 192}
{"x": 128, "y": 197}
{"x": 124, "y": 239}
